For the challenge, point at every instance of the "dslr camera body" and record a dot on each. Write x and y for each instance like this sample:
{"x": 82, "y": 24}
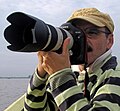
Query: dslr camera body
{"x": 27, "y": 33}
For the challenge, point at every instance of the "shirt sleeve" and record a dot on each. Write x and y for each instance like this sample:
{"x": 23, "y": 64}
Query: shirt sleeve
{"x": 38, "y": 98}
{"x": 67, "y": 93}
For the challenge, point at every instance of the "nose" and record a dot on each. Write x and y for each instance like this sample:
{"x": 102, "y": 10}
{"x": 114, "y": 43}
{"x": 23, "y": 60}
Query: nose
{"x": 88, "y": 41}
{"x": 87, "y": 38}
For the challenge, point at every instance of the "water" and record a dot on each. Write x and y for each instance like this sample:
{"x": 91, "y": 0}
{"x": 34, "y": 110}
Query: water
{"x": 11, "y": 90}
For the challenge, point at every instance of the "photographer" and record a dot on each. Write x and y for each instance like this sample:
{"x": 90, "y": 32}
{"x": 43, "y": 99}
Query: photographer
{"x": 54, "y": 86}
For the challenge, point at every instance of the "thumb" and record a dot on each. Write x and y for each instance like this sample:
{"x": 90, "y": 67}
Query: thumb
{"x": 65, "y": 46}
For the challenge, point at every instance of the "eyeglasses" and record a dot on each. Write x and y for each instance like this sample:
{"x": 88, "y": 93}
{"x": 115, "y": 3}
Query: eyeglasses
{"x": 94, "y": 32}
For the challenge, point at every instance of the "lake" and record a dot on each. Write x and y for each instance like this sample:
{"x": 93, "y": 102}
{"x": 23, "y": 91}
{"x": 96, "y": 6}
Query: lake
{"x": 11, "y": 89}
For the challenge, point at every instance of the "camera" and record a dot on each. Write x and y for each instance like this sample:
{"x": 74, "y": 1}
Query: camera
{"x": 27, "y": 33}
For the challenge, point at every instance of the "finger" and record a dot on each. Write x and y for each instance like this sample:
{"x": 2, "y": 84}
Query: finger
{"x": 65, "y": 46}
{"x": 42, "y": 53}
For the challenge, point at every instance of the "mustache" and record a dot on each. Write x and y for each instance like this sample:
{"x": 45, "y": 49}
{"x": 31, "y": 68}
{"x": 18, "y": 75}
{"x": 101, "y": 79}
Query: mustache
{"x": 89, "y": 48}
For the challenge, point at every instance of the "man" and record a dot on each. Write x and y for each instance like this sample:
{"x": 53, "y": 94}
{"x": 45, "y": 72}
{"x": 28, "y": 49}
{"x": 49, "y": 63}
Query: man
{"x": 54, "y": 86}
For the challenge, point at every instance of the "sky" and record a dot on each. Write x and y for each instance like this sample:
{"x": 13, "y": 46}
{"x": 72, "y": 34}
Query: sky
{"x": 53, "y": 12}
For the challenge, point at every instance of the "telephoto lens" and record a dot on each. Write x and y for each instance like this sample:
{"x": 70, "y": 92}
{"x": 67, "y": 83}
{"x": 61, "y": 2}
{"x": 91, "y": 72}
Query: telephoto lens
{"x": 27, "y": 33}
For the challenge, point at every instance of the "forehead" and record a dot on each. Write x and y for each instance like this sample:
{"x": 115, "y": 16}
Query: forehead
{"x": 82, "y": 23}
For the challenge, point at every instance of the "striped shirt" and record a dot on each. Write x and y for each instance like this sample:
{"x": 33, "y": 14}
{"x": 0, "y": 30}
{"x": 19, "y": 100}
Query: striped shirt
{"x": 64, "y": 90}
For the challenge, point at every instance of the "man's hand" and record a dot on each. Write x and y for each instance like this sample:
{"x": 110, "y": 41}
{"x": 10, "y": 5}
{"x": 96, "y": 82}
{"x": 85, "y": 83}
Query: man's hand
{"x": 52, "y": 62}
{"x": 40, "y": 69}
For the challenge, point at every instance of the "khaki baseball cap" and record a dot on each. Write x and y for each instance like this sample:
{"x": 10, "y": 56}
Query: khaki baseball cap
{"x": 93, "y": 16}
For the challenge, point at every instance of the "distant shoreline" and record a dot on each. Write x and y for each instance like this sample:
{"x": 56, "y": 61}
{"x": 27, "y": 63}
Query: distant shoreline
{"x": 15, "y": 77}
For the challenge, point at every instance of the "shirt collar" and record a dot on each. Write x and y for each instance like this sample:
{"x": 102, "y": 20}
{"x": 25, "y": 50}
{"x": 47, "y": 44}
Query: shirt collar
{"x": 97, "y": 63}
{"x": 100, "y": 61}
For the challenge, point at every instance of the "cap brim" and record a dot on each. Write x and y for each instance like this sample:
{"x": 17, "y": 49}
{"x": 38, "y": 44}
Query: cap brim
{"x": 88, "y": 19}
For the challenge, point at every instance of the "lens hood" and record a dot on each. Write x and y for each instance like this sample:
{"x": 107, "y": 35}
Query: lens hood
{"x": 24, "y": 32}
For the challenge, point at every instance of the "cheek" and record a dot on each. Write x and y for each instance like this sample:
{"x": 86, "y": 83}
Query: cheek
{"x": 100, "y": 47}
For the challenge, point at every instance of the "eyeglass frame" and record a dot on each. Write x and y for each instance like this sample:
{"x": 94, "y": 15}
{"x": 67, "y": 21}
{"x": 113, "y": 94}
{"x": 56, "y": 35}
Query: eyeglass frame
{"x": 107, "y": 32}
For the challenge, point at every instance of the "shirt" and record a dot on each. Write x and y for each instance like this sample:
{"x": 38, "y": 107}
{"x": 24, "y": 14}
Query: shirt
{"x": 64, "y": 90}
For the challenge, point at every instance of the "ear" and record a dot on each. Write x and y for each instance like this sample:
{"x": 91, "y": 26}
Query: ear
{"x": 110, "y": 41}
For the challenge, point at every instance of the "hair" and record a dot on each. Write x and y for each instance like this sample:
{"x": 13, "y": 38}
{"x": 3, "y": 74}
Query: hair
{"x": 108, "y": 31}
